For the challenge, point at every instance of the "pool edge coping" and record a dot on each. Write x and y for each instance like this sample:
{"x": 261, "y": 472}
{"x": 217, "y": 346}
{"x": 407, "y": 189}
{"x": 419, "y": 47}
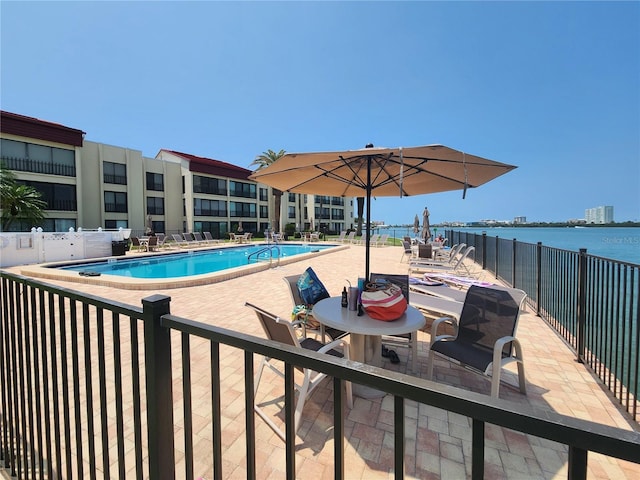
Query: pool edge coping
{"x": 45, "y": 271}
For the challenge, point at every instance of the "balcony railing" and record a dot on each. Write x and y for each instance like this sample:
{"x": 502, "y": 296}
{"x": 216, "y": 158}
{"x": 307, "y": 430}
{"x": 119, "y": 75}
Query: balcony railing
{"x": 592, "y": 302}
{"x": 78, "y": 371}
{"x": 36, "y": 166}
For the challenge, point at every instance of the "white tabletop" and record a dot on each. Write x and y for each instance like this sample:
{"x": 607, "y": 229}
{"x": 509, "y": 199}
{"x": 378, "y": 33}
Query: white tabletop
{"x": 330, "y": 312}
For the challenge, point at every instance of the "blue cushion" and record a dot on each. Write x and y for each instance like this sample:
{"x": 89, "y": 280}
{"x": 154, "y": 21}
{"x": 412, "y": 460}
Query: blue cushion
{"x": 311, "y": 288}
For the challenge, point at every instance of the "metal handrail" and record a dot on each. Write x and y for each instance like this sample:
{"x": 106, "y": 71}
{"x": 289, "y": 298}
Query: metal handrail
{"x": 266, "y": 249}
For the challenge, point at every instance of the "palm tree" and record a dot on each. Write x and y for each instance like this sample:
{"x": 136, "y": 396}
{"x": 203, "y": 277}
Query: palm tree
{"x": 263, "y": 160}
{"x": 19, "y": 202}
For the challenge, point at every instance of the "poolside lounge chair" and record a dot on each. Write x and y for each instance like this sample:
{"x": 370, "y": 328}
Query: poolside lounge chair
{"x": 382, "y": 240}
{"x": 209, "y": 239}
{"x": 341, "y": 237}
{"x": 485, "y": 339}
{"x": 458, "y": 267}
{"x": 334, "y": 333}
{"x": 180, "y": 241}
{"x": 161, "y": 239}
{"x": 198, "y": 238}
{"x": 449, "y": 260}
{"x": 282, "y": 331}
{"x": 350, "y": 238}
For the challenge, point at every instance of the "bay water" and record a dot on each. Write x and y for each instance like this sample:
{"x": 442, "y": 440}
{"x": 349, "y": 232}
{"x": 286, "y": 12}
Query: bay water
{"x": 616, "y": 243}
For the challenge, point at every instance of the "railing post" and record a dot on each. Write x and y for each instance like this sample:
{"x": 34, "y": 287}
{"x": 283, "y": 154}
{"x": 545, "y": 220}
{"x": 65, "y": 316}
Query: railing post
{"x": 496, "y": 262}
{"x": 159, "y": 392}
{"x": 538, "y": 276}
{"x": 513, "y": 263}
{"x": 484, "y": 250}
{"x": 582, "y": 303}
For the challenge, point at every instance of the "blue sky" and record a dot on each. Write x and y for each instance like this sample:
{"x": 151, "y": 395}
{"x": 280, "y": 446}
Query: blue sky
{"x": 552, "y": 87}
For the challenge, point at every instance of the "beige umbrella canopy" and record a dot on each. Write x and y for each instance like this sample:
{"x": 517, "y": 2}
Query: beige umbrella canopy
{"x": 380, "y": 171}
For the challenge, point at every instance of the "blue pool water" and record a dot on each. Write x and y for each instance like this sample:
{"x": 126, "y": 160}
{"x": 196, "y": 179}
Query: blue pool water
{"x": 186, "y": 264}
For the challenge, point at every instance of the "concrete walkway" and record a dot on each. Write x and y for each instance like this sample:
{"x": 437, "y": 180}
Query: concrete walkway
{"x": 438, "y": 444}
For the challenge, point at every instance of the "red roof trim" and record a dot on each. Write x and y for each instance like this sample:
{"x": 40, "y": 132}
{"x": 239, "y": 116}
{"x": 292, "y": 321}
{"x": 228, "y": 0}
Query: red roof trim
{"x": 31, "y": 127}
{"x": 212, "y": 167}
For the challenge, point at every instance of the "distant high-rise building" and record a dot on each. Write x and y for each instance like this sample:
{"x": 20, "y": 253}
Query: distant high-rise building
{"x": 599, "y": 214}
{"x": 520, "y": 220}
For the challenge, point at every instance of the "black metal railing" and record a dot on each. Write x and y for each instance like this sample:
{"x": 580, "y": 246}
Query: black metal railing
{"x": 592, "y": 302}
{"x": 38, "y": 166}
{"x": 68, "y": 359}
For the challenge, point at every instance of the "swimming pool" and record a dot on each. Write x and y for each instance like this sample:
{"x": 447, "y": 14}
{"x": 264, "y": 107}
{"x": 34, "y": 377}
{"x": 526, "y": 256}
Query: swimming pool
{"x": 191, "y": 263}
{"x": 176, "y": 269}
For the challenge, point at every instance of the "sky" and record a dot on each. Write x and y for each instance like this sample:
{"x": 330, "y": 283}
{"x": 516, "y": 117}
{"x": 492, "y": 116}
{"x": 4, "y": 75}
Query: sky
{"x": 551, "y": 87}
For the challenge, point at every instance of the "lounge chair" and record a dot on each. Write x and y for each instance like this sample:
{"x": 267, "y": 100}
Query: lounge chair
{"x": 180, "y": 241}
{"x": 449, "y": 260}
{"x": 458, "y": 267}
{"x": 350, "y": 238}
{"x": 209, "y": 239}
{"x": 382, "y": 240}
{"x": 372, "y": 241}
{"x": 282, "y": 331}
{"x": 161, "y": 239}
{"x": 436, "y": 306}
{"x": 308, "y": 327}
{"x": 198, "y": 238}
{"x": 485, "y": 339}
{"x": 341, "y": 237}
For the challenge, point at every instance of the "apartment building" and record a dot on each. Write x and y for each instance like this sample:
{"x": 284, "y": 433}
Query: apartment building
{"x": 599, "y": 215}
{"x": 90, "y": 185}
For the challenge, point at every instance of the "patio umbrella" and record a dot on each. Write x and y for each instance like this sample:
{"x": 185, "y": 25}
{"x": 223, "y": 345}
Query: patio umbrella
{"x": 416, "y": 224}
{"x": 426, "y": 233}
{"x": 380, "y": 171}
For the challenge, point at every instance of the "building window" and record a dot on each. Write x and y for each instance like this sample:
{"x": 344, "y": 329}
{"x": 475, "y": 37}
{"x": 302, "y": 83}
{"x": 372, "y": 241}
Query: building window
{"x": 29, "y": 157}
{"x": 241, "y": 189}
{"x": 209, "y": 208}
{"x": 115, "y": 202}
{"x": 155, "y": 206}
{"x": 155, "y": 182}
{"x": 264, "y": 211}
{"x": 264, "y": 194}
{"x": 292, "y": 197}
{"x": 212, "y": 186}
{"x": 116, "y": 224}
{"x": 57, "y": 195}
{"x": 217, "y": 229}
{"x": 337, "y": 214}
{"x": 241, "y": 209}
{"x": 292, "y": 212}
{"x": 114, "y": 173}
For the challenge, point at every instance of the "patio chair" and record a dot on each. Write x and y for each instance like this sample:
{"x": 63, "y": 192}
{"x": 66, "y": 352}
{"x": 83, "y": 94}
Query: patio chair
{"x": 198, "y": 238}
{"x": 485, "y": 339}
{"x": 309, "y": 325}
{"x": 406, "y": 245}
{"x": 341, "y": 237}
{"x": 282, "y": 331}
{"x": 408, "y": 340}
{"x": 135, "y": 244}
{"x": 152, "y": 243}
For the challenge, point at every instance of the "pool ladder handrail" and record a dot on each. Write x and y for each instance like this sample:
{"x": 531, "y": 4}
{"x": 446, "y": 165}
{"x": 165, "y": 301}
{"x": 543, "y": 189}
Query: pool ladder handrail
{"x": 269, "y": 249}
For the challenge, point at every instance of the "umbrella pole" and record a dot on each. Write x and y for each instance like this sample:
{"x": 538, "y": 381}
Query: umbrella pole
{"x": 368, "y": 209}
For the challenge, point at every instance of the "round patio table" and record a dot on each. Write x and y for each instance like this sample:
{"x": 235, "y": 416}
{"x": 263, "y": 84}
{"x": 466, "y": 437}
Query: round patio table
{"x": 365, "y": 344}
